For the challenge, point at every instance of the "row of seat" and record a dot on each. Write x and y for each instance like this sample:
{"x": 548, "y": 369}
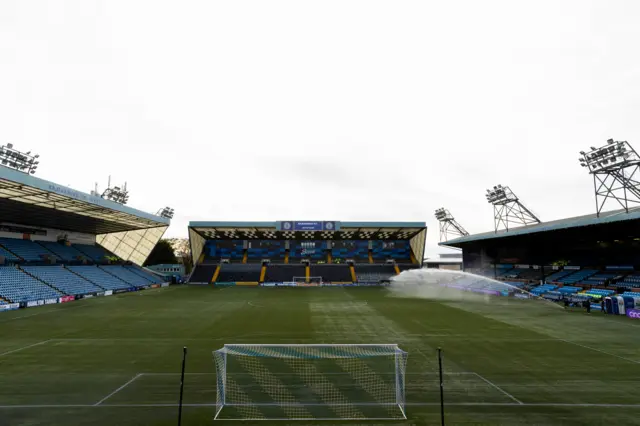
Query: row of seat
{"x": 46, "y": 282}
{"x": 285, "y": 273}
{"x": 14, "y": 250}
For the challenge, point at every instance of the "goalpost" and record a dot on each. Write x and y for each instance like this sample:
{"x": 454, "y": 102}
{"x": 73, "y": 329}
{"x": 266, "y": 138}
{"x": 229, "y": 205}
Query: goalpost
{"x": 310, "y": 382}
{"x": 314, "y": 280}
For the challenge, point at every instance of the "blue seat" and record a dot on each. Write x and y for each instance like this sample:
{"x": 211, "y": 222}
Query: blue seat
{"x": 17, "y": 286}
{"x": 99, "y": 277}
{"x": 63, "y": 279}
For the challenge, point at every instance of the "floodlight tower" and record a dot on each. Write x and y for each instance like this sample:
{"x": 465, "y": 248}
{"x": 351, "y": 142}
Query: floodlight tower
{"x": 507, "y": 208}
{"x": 117, "y": 194}
{"x": 448, "y": 225}
{"x": 21, "y": 161}
{"x": 166, "y": 212}
{"x": 615, "y": 173}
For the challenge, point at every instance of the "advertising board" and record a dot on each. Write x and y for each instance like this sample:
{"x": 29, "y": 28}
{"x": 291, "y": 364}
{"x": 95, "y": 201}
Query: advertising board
{"x": 633, "y": 313}
{"x": 108, "y": 292}
{"x": 65, "y": 299}
{"x": 50, "y": 301}
{"x": 9, "y": 306}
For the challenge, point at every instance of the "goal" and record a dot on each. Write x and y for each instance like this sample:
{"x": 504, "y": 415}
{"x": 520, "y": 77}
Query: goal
{"x": 311, "y": 280}
{"x": 310, "y": 382}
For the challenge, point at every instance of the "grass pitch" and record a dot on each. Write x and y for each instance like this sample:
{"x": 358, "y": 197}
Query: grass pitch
{"x": 116, "y": 360}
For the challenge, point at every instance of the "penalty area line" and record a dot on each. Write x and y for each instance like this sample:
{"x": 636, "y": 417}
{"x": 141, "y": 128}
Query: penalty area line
{"x": 25, "y": 347}
{"x": 133, "y": 379}
{"x": 490, "y": 383}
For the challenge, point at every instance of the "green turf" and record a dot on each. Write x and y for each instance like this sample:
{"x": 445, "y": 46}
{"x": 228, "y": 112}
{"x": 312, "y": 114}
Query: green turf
{"x": 506, "y": 362}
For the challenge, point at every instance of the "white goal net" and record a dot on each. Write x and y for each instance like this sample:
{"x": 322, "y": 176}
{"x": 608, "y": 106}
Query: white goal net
{"x": 310, "y": 382}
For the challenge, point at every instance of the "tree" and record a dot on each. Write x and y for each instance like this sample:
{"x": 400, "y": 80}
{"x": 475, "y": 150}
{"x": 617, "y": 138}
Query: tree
{"x": 161, "y": 253}
{"x": 182, "y": 250}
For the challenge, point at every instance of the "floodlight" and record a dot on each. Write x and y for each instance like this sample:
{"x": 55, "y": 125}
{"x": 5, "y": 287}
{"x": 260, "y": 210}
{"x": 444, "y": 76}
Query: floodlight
{"x": 593, "y": 148}
{"x": 609, "y": 141}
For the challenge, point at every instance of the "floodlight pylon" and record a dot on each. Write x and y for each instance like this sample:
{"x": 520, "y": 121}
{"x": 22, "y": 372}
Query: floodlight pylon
{"x": 448, "y": 225}
{"x": 508, "y": 209}
{"x": 614, "y": 167}
{"x": 23, "y": 162}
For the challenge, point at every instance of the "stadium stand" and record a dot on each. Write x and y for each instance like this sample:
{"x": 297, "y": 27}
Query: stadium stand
{"x": 577, "y": 276}
{"x": 566, "y": 290}
{"x": 125, "y": 275}
{"x": 152, "y": 278}
{"x": 630, "y": 281}
{"x": 266, "y": 249}
{"x": 374, "y": 273}
{"x": 96, "y": 253}
{"x": 554, "y": 277}
{"x": 600, "y": 278}
{"x": 27, "y": 250}
{"x": 542, "y": 289}
{"x": 331, "y": 273}
{"x": 8, "y": 256}
{"x": 62, "y": 279}
{"x": 506, "y": 273}
{"x": 99, "y": 277}
{"x": 63, "y": 251}
{"x": 16, "y": 286}
{"x": 203, "y": 273}
{"x": 284, "y": 273}
{"x": 528, "y": 274}
{"x": 598, "y": 293}
{"x": 249, "y": 272}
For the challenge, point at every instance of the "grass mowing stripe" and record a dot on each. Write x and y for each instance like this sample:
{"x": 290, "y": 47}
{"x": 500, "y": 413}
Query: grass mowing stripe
{"x": 25, "y": 347}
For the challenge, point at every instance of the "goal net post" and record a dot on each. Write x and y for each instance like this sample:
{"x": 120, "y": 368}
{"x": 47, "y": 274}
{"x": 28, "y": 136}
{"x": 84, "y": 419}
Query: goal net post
{"x": 310, "y": 382}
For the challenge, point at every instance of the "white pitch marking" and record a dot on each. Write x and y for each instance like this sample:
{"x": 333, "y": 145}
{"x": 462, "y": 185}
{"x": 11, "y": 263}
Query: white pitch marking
{"x": 412, "y": 404}
{"x": 25, "y": 347}
{"x": 47, "y": 312}
{"x": 117, "y": 390}
{"x": 490, "y": 383}
{"x": 600, "y": 350}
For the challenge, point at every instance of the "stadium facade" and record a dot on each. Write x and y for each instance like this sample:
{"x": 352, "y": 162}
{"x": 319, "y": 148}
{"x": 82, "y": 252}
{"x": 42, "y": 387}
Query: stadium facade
{"x": 304, "y": 252}
{"x": 58, "y": 244}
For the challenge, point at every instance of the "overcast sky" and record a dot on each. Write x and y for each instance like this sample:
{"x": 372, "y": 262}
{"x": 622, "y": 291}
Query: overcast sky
{"x": 327, "y": 110}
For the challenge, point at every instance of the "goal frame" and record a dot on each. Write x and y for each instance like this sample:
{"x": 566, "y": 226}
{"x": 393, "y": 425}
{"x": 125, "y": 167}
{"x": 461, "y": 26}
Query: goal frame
{"x": 312, "y": 279}
{"x": 400, "y": 380}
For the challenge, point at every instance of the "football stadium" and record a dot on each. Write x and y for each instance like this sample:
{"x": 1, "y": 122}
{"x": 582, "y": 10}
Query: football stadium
{"x": 314, "y": 321}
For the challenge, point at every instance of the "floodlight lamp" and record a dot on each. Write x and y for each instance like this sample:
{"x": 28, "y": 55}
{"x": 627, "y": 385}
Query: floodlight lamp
{"x": 582, "y": 153}
{"x": 9, "y": 145}
{"x": 593, "y": 148}
{"x": 609, "y": 141}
